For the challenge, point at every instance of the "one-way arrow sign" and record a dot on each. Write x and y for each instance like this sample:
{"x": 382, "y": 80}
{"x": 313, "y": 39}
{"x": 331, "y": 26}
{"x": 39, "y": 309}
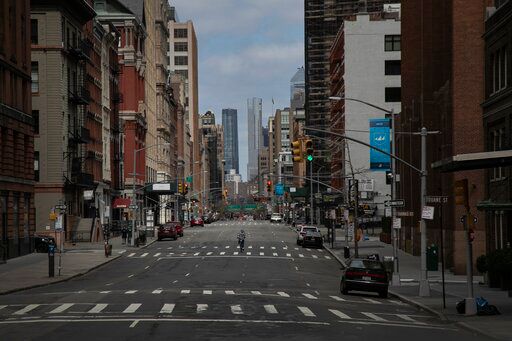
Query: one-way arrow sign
{"x": 395, "y": 203}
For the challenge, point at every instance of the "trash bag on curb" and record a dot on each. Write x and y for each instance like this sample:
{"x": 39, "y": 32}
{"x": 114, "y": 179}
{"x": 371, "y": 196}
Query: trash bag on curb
{"x": 483, "y": 307}
{"x": 461, "y": 307}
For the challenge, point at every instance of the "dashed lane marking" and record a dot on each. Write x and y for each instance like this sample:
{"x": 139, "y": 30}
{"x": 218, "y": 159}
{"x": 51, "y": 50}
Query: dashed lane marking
{"x": 229, "y": 292}
{"x": 207, "y": 292}
{"x": 256, "y": 292}
{"x": 311, "y": 297}
{"x": 301, "y": 255}
{"x": 131, "y": 254}
{"x": 105, "y": 292}
{"x": 130, "y": 276}
{"x": 371, "y": 301}
{"x": 327, "y": 257}
{"x": 222, "y": 253}
{"x": 315, "y": 256}
{"x": 262, "y": 254}
{"x": 130, "y": 292}
{"x": 249, "y": 253}
{"x": 144, "y": 254}
{"x": 157, "y": 254}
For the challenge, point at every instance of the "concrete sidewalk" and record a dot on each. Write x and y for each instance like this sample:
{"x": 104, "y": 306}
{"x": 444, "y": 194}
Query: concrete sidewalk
{"x": 498, "y": 327}
{"x": 31, "y": 271}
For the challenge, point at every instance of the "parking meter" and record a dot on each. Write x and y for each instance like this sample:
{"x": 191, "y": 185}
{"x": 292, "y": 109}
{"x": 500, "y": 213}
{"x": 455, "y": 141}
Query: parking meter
{"x": 51, "y": 260}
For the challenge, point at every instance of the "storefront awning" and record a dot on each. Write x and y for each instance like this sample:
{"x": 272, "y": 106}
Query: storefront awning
{"x": 121, "y": 203}
{"x": 489, "y": 205}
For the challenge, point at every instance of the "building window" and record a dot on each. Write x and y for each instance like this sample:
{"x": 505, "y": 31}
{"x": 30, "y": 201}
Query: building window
{"x": 34, "y": 34}
{"x": 183, "y": 73}
{"x": 35, "y": 77}
{"x": 392, "y": 42}
{"x": 26, "y": 217}
{"x": 180, "y": 33}
{"x": 36, "y": 166}
{"x": 35, "y": 116}
{"x": 499, "y": 60}
{"x": 393, "y": 68}
{"x": 498, "y": 137}
{"x": 498, "y": 229}
{"x": 180, "y": 47}
{"x": 393, "y": 94}
{"x": 180, "y": 60}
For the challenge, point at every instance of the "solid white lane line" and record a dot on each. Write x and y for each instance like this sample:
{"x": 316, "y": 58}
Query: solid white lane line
{"x": 282, "y": 293}
{"x": 371, "y": 301}
{"x": 157, "y": 291}
{"x": 262, "y": 254}
{"x": 306, "y": 312}
{"x": 236, "y": 309}
{"x": 301, "y": 255}
{"x": 167, "y": 308}
{"x": 98, "y": 308}
{"x": 340, "y": 314}
{"x": 105, "y": 292}
{"x": 374, "y": 317}
{"x": 270, "y": 309}
{"x": 129, "y": 292}
{"x": 131, "y": 254}
{"x": 230, "y": 292}
{"x": 185, "y": 291}
{"x": 157, "y": 254}
{"x": 337, "y": 298}
{"x": 256, "y": 292}
{"x": 222, "y": 253}
{"x": 144, "y": 254}
{"x": 207, "y": 292}
{"x": 274, "y": 254}
{"x": 249, "y": 253}
{"x": 201, "y": 307}
{"x": 132, "y": 308}
{"x": 311, "y": 297}
{"x": 61, "y": 308}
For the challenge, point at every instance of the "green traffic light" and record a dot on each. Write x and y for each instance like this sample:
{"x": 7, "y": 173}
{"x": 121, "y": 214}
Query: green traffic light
{"x": 310, "y": 158}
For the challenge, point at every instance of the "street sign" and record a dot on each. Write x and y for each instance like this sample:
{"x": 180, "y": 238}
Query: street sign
{"x": 427, "y": 212}
{"x": 293, "y": 189}
{"x": 436, "y": 199}
{"x": 279, "y": 189}
{"x": 404, "y": 214}
{"x": 59, "y": 223}
{"x": 395, "y": 203}
{"x": 189, "y": 179}
{"x": 132, "y": 207}
{"x": 397, "y": 223}
{"x": 61, "y": 207}
{"x": 387, "y": 212}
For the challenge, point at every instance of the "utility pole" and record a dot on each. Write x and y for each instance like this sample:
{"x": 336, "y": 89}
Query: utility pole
{"x": 356, "y": 218}
{"x": 424, "y": 286}
{"x": 311, "y": 192}
{"x": 396, "y": 275}
{"x": 134, "y": 195}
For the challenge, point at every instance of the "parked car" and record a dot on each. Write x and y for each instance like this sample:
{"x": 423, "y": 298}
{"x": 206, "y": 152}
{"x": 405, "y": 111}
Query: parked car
{"x": 207, "y": 219}
{"x": 167, "y": 230}
{"x": 196, "y": 221}
{"x": 276, "y": 218}
{"x": 365, "y": 275}
{"x": 177, "y": 225}
{"x": 41, "y": 243}
{"x": 302, "y": 230}
{"x": 312, "y": 238}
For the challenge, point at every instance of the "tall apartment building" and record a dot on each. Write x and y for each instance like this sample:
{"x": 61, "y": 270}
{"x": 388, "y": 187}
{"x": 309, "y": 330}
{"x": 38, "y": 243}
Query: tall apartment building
{"x": 183, "y": 136}
{"x": 365, "y": 65}
{"x": 183, "y": 61}
{"x": 18, "y": 124}
{"x": 230, "y": 124}
{"x": 61, "y": 97}
{"x": 282, "y": 150}
{"x": 254, "y": 116}
{"x": 213, "y": 144}
{"x": 322, "y": 20}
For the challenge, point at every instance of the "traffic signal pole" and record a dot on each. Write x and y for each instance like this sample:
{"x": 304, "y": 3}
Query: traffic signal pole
{"x": 311, "y": 192}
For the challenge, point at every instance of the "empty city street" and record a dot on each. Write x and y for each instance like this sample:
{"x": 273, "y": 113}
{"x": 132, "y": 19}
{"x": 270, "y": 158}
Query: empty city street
{"x": 200, "y": 287}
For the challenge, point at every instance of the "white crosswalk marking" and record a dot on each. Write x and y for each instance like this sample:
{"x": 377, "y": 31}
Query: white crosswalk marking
{"x": 61, "y": 308}
{"x": 167, "y": 308}
{"x": 230, "y": 292}
{"x": 131, "y": 254}
{"x": 374, "y": 317}
{"x": 157, "y": 254}
{"x": 121, "y": 252}
{"x": 262, "y": 254}
{"x": 207, "y": 292}
{"x": 315, "y": 256}
{"x": 301, "y": 255}
{"x": 2, "y": 307}
{"x": 288, "y": 255}
{"x": 235, "y": 253}
{"x": 340, "y": 314}
{"x": 227, "y": 246}
{"x": 320, "y": 250}
{"x": 250, "y": 247}
{"x": 327, "y": 257}
{"x": 285, "y": 247}
{"x": 249, "y": 253}
{"x": 203, "y": 247}
{"x": 105, "y": 292}
{"x": 274, "y": 254}
{"x": 311, "y": 297}
{"x": 196, "y": 254}
{"x": 306, "y": 311}
{"x": 296, "y": 249}
{"x": 337, "y": 298}
{"x": 185, "y": 291}
{"x": 269, "y": 308}
{"x": 209, "y": 253}
{"x": 408, "y": 318}
{"x": 201, "y": 307}
{"x": 262, "y": 247}
{"x": 132, "y": 308}
{"x": 256, "y": 292}
{"x": 169, "y": 248}
{"x": 282, "y": 293}
{"x": 157, "y": 291}
{"x": 236, "y": 309}
{"x": 309, "y": 250}
{"x": 222, "y": 253}
{"x": 144, "y": 254}
{"x": 372, "y": 301}
{"x": 273, "y": 247}
{"x": 130, "y": 292}
{"x": 396, "y": 302}
{"x": 98, "y": 308}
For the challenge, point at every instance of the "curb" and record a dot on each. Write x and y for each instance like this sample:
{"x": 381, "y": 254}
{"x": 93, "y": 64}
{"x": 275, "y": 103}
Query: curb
{"x": 418, "y": 305}
{"x": 328, "y": 249}
{"x": 60, "y": 280}
{"x": 468, "y": 327}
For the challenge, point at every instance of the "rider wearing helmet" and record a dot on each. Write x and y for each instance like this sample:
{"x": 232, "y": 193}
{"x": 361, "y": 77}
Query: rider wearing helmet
{"x": 241, "y": 240}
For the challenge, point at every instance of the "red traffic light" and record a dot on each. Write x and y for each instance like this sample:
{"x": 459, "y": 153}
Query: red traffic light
{"x": 269, "y": 182}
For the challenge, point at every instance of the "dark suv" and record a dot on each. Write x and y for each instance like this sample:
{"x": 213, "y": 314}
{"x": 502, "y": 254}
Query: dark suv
{"x": 167, "y": 230}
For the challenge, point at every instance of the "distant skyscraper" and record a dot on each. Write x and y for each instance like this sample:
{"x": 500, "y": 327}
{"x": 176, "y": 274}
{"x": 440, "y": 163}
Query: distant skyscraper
{"x": 230, "y": 124}
{"x": 265, "y": 137}
{"x": 298, "y": 89}
{"x": 254, "y": 112}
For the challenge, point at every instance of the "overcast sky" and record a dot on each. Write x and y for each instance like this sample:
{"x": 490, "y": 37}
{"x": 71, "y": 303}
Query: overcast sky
{"x": 247, "y": 48}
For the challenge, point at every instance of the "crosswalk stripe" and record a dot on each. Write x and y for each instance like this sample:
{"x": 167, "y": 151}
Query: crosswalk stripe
{"x": 157, "y": 254}
{"x": 222, "y": 253}
{"x": 61, "y": 308}
{"x": 262, "y": 254}
{"x": 144, "y": 254}
{"x": 105, "y": 292}
{"x": 227, "y": 246}
{"x": 301, "y": 255}
{"x": 185, "y": 291}
{"x": 207, "y": 292}
{"x": 121, "y": 252}
{"x": 230, "y": 292}
{"x": 306, "y": 311}
{"x": 311, "y": 297}
{"x": 374, "y": 317}
{"x": 408, "y": 318}
{"x": 282, "y": 293}
{"x": 132, "y": 308}
{"x": 337, "y": 298}
{"x": 169, "y": 248}
{"x": 235, "y": 253}
{"x": 256, "y": 292}
{"x": 236, "y": 309}
{"x": 203, "y": 247}
{"x": 288, "y": 255}
{"x": 131, "y": 254}
{"x": 296, "y": 249}
{"x": 98, "y": 308}
{"x": 262, "y": 247}
{"x": 201, "y": 307}
{"x": 157, "y": 291}
{"x": 371, "y": 301}
{"x": 2, "y": 307}
{"x": 196, "y": 254}
{"x": 309, "y": 250}
{"x": 129, "y": 292}
{"x": 27, "y": 309}
{"x": 209, "y": 253}
{"x": 269, "y": 308}
{"x": 315, "y": 256}
{"x": 273, "y": 248}
{"x": 249, "y": 253}
{"x": 250, "y": 247}
{"x": 396, "y": 302}
{"x": 327, "y": 257}
{"x": 274, "y": 254}
{"x": 167, "y": 308}
{"x": 320, "y": 250}
{"x": 340, "y": 314}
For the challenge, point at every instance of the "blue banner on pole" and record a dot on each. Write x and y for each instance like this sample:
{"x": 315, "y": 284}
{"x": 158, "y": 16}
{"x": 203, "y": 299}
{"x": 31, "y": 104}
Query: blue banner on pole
{"x": 380, "y": 137}
{"x": 279, "y": 189}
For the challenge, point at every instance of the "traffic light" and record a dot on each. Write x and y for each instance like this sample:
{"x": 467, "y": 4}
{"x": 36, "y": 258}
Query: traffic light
{"x": 297, "y": 150}
{"x": 226, "y": 193}
{"x": 309, "y": 150}
{"x": 185, "y": 191}
{"x": 180, "y": 188}
{"x": 269, "y": 186}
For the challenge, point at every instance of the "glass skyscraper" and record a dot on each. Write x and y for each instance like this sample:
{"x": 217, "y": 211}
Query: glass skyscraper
{"x": 230, "y": 124}
{"x": 254, "y": 113}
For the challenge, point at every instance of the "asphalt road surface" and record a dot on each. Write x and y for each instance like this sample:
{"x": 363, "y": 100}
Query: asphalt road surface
{"x": 201, "y": 287}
